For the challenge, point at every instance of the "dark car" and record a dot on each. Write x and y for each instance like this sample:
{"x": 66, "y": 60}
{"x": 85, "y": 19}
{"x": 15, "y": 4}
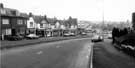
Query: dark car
{"x": 14, "y": 37}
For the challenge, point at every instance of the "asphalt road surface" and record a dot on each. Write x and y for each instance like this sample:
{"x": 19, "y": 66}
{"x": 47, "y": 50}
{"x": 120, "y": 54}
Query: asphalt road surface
{"x": 62, "y": 54}
{"x": 105, "y": 55}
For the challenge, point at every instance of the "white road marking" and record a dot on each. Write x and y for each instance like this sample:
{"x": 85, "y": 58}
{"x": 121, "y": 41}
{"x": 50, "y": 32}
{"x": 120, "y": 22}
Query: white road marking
{"x": 40, "y": 52}
{"x": 91, "y": 57}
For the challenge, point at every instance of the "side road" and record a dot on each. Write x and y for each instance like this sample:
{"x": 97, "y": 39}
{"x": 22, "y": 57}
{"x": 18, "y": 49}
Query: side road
{"x": 10, "y": 44}
{"x": 105, "y": 55}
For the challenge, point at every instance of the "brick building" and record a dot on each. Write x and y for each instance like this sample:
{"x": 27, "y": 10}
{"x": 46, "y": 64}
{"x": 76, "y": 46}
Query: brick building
{"x": 12, "y": 22}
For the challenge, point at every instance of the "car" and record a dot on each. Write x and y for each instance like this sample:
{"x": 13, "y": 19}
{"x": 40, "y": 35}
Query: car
{"x": 71, "y": 34}
{"x": 83, "y": 33}
{"x": 66, "y": 34}
{"x": 97, "y": 38}
{"x": 108, "y": 36}
{"x": 48, "y": 35}
{"x": 14, "y": 37}
{"x": 32, "y": 36}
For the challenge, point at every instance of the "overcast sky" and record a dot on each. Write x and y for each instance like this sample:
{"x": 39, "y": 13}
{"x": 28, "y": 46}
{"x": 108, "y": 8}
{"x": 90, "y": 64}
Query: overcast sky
{"x": 92, "y": 10}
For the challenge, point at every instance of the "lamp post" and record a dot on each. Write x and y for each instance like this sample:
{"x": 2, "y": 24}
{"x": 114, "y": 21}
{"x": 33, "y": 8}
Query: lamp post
{"x": 103, "y": 13}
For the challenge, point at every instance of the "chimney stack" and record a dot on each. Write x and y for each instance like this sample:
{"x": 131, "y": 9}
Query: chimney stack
{"x": 30, "y": 14}
{"x": 1, "y": 5}
{"x": 45, "y": 16}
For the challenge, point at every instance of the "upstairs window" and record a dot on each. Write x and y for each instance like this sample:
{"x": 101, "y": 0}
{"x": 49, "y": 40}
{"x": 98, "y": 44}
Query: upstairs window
{"x": 41, "y": 26}
{"x": 20, "y": 22}
{"x": 31, "y": 24}
{"x": 13, "y": 12}
{"x": 5, "y": 21}
{"x": 2, "y": 11}
{"x": 25, "y": 22}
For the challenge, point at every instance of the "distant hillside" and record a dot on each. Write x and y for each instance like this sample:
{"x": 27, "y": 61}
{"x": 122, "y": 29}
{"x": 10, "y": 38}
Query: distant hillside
{"x": 105, "y": 25}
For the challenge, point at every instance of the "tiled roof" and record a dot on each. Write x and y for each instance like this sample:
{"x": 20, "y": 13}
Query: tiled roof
{"x": 67, "y": 23}
{"x": 61, "y": 22}
{"x": 73, "y": 21}
{"x": 52, "y": 21}
{"x": 37, "y": 19}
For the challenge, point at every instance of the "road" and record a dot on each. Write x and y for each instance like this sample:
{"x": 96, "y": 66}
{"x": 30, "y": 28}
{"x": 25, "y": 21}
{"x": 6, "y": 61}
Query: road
{"x": 62, "y": 54}
{"x": 105, "y": 55}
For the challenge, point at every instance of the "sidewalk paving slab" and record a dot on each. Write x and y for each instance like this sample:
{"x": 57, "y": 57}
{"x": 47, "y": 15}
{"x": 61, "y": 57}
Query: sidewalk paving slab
{"x": 107, "y": 56}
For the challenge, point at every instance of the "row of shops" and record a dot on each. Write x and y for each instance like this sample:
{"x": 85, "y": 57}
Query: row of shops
{"x": 14, "y": 23}
{"x": 52, "y": 33}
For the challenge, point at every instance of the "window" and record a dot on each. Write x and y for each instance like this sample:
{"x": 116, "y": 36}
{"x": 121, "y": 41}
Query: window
{"x": 13, "y": 12}
{"x": 7, "y": 31}
{"x": 5, "y": 21}
{"x": 46, "y": 26}
{"x": 2, "y": 11}
{"x": 25, "y": 22}
{"x": 41, "y": 26}
{"x": 20, "y": 22}
{"x": 31, "y": 24}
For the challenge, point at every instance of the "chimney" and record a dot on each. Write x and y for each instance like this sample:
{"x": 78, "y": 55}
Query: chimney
{"x": 45, "y": 16}
{"x": 30, "y": 14}
{"x": 1, "y": 5}
{"x": 70, "y": 17}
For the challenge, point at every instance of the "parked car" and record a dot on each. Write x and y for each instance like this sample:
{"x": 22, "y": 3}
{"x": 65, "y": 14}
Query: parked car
{"x": 72, "y": 34}
{"x": 108, "y": 36}
{"x": 14, "y": 37}
{"x": 32, "y": 36}
{"x": 66, "y": 34}
{"x": 83, "y": 33}
{"x": 97, "y": 38}
{"x": 48, "y": 35}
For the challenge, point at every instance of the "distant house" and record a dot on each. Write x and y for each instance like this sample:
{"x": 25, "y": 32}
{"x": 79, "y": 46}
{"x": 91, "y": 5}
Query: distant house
{"x": 12, "y": 22}
{"x": 52, "y": 22}
{"x": 42, "y": 25}
{"x": 59, "y": 28}
{"x": 62, "y": 25}
{"x": 31, "y": 24}
{"x": 71, "y": 25}
{"x": 57, "y": 25}
{"x": 54, "y": 26}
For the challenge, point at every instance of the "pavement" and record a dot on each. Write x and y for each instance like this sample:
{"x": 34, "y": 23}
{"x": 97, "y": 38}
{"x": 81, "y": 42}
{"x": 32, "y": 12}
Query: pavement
{"x": 72, "y": 53}
{"x": 105, "y": 55}
{"x": 10, "y": 44}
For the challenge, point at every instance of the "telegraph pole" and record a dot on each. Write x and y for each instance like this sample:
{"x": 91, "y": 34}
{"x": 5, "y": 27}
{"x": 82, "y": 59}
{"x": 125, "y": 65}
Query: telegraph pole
{"x": 103, "y": 13}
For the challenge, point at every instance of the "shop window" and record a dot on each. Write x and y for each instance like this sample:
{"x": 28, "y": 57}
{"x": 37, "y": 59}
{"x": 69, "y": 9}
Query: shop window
{"x": 7, "y": 31}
